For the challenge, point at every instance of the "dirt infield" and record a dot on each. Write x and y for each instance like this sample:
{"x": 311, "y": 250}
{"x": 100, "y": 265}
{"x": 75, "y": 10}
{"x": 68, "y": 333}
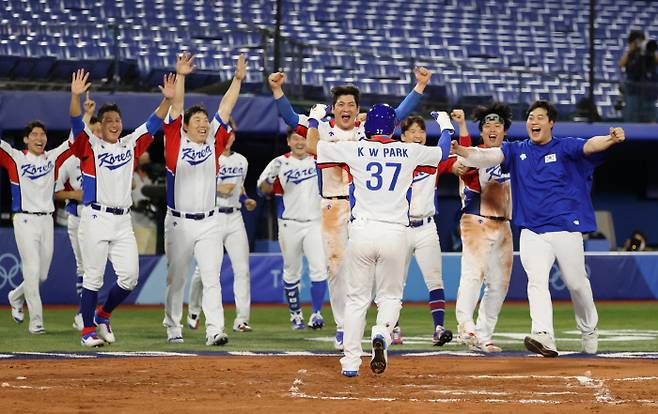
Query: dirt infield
{"x": 292, "y": 384}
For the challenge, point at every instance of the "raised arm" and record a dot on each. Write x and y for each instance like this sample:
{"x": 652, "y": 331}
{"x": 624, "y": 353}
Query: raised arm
{"x": 478, "y": 157}
{"x": 603, "y": 142}
{"x": 79, "y": 85}
{"x": 318, "y": 111}
{"x": 286, "y": 111}
{"x": 184, "y": 66}
{"x": 89, "y": 108}
{"x": 231, "y": 96}
{"x": 410, "y": 102}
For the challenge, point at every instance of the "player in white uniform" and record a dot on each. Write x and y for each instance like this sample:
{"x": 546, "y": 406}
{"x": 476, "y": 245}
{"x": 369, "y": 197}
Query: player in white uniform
{"x": 382, "y": 172}
{"x": 105, "y": 229}
{"x": 485, "y": 232}
{"x": 32, "y": 174}
{"x": 192, "y": 149}
{"x": 334, "y": 183}
{"x": 68, "y": 188}
{"x": 230, "y": 197}
{"x": 423, "y": 236}
{"x": 292, "y": 177}
{"x": 551, "y": 183}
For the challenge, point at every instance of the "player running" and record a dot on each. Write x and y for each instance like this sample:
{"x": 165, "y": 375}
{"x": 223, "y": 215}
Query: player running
{"x": 192, "y": 149}
{"x": 230, "y": 197}
{"x": 32, "y": 174}
{"x": 292, "y": 177}
{"x": 382, "y": 172}
{"x": 334, "y": 188}
{"x": 551, "y": 183}
{"x": 105, "y": 230}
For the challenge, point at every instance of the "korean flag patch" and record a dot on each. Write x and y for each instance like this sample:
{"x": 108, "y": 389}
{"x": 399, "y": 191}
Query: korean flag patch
{"x": 550, "y": 158}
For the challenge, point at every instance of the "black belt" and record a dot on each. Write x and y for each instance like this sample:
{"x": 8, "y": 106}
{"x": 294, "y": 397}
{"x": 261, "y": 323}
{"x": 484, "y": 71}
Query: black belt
{"x": 227, "y": 210}
{"x": 192, "y": 216}
{"x": 418, "y": 223}
{"x": 35, "y": 213}
{"x": 298, "y": 221}
{"x": 496, "y": 218}
{"x": 117, "y": 211}
{"x": 337, "y": 198}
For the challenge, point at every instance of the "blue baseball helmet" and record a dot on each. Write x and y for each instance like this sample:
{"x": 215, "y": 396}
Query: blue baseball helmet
{"x": 380, "y": 120}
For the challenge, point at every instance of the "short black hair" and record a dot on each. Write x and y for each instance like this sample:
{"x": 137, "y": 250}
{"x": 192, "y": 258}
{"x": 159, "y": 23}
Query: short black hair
{"x": 410, "y": 120}
{"x": 194, "y": 109}
{"x": 31, "y": 125}
{"x": 338, "y": 91}
{"x": 549, "y": 107}
{"x": 107, "y": 107}
{"x": 93, "y": 120}
{"x": 635, "y": 35}
{"x": 499, "y": 108}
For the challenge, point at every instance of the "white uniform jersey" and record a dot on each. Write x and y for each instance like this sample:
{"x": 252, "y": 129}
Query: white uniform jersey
{"x": 232, "y": 170}
{"x": 382, "y": 172}
{"x": 107, "y": 169}
{"x": 192, "y": 168}
{"x": 32, "y": 177}
{"x": 70, "y": 179}
{"x": 423, "y": 193}
{"x": 296, "y": 187}
{"x": 335, "y": 182}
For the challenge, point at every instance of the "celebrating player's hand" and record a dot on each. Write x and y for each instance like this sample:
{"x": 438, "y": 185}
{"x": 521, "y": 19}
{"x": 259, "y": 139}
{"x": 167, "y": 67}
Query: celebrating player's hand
{"x": 250, "y": 204}
{"x": 89, "y": 105}
{"x": 454, "y": 147}
{"x": 79, "y": 84}
{"x": 443, "y": 120}
{"x": 241, "y": 67}
{"x": 361, "y": 117}
{"x": 617, "y": 134}
{"x": 169, "y": 88}
{"x": 457, "y": 115}
{"x": 185, "y": 63}
{"x": 276, "y": 80}
{"x": 318, "y": 111}
{"x": 458, "y": 168}
{"x": 423, "y": 75}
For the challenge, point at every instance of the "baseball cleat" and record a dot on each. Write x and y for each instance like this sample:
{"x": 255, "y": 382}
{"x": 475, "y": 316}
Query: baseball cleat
{"x": 175, "y": 340}
{"x": 541, "y": 343}
{"x": 379, "y": 357}
{"x": 78, "y": 323}
{"x": 467, "y": 338}
{"x": 37, "y": 330}
{"x": 192, "y": 320}
{"x": 350, "y": 374}
{"x": 316, "y": 321}
{"x": 590, "y": 343}
{"x": 91, "y": 340}
{"x": 242, "y": 327}
{"x": 396, "y": 336}
{"x": 217, "y": 340}
{"x": 441, "y": 336}
{"x": 488, "y": 347}
{"x": 104, "y": 329}
{"x": 16, "y": 308}
{"x": 297, "y": 321}
{"x": 338, "y": 341}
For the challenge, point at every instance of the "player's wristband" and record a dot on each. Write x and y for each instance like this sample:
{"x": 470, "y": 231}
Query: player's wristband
{"x": 313, "y": 123}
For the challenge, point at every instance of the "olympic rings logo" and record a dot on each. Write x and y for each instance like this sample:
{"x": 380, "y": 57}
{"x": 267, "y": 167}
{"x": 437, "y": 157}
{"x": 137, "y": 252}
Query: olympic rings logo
{"x": 9, "y": 268}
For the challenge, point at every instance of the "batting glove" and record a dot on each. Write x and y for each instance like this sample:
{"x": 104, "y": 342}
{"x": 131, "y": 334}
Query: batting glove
{"x": 318, "y": 111}
{"x": 443, "y": 119}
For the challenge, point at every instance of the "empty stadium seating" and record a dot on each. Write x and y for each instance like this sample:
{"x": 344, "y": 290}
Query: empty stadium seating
{"x": 515, "y": 51}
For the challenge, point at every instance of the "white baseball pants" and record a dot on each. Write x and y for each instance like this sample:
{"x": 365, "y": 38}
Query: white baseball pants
{"x": 335, "y": 218}
{"x": 298, "y": 239}
{"x": 424, "y": 244}
{"x": 72, "y": 226}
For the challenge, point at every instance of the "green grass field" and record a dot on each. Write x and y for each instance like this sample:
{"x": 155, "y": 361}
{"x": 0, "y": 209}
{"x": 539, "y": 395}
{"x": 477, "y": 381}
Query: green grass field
{"x": 623, "y": 327}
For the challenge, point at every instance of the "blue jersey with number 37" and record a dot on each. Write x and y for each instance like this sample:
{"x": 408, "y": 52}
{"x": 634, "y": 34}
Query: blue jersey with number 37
{"x": 381, "y": 172}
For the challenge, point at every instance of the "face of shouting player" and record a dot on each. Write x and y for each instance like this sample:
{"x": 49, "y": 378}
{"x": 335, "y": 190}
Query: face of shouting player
{"x": 345, "y": 110}
{"x": 539, "y": 126}
{"x": 414, "y": 134}
{"x": 297, "y": 144}
{"x": 111, "y": 127}
{"x": 493, "y": 133}
{"x": 36, "y": 141}
{"x": 198, "y": 127}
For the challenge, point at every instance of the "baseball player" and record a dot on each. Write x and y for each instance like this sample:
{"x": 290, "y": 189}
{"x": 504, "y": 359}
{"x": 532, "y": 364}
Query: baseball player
{"x": 32, "y": 174}
{"x": 105, "y": 229}
{"x": 551, "y": 183}
{"x": 192, "y": 149}
{"x": 423, "y": 235}
{"x": 382, "y": 172}
{"x": 230, "y": 197}
{"x": 485, "y": 232}
{"x": 334, "y": 181}
{"x": 68, "y": 188}
{"x": 292, "y": 177}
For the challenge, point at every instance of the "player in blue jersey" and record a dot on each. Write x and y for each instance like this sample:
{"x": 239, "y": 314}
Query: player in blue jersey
{"x": 551, "y": 183}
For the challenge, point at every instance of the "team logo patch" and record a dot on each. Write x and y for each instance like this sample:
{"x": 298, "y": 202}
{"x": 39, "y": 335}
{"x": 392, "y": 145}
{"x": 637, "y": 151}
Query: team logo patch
{"x": 194, "y": 157}
{"x": 523, "y": 156}
{"x": 114, "y": 161}
{"x": 34, "y": 172}
{"x": 550, "y": 158}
